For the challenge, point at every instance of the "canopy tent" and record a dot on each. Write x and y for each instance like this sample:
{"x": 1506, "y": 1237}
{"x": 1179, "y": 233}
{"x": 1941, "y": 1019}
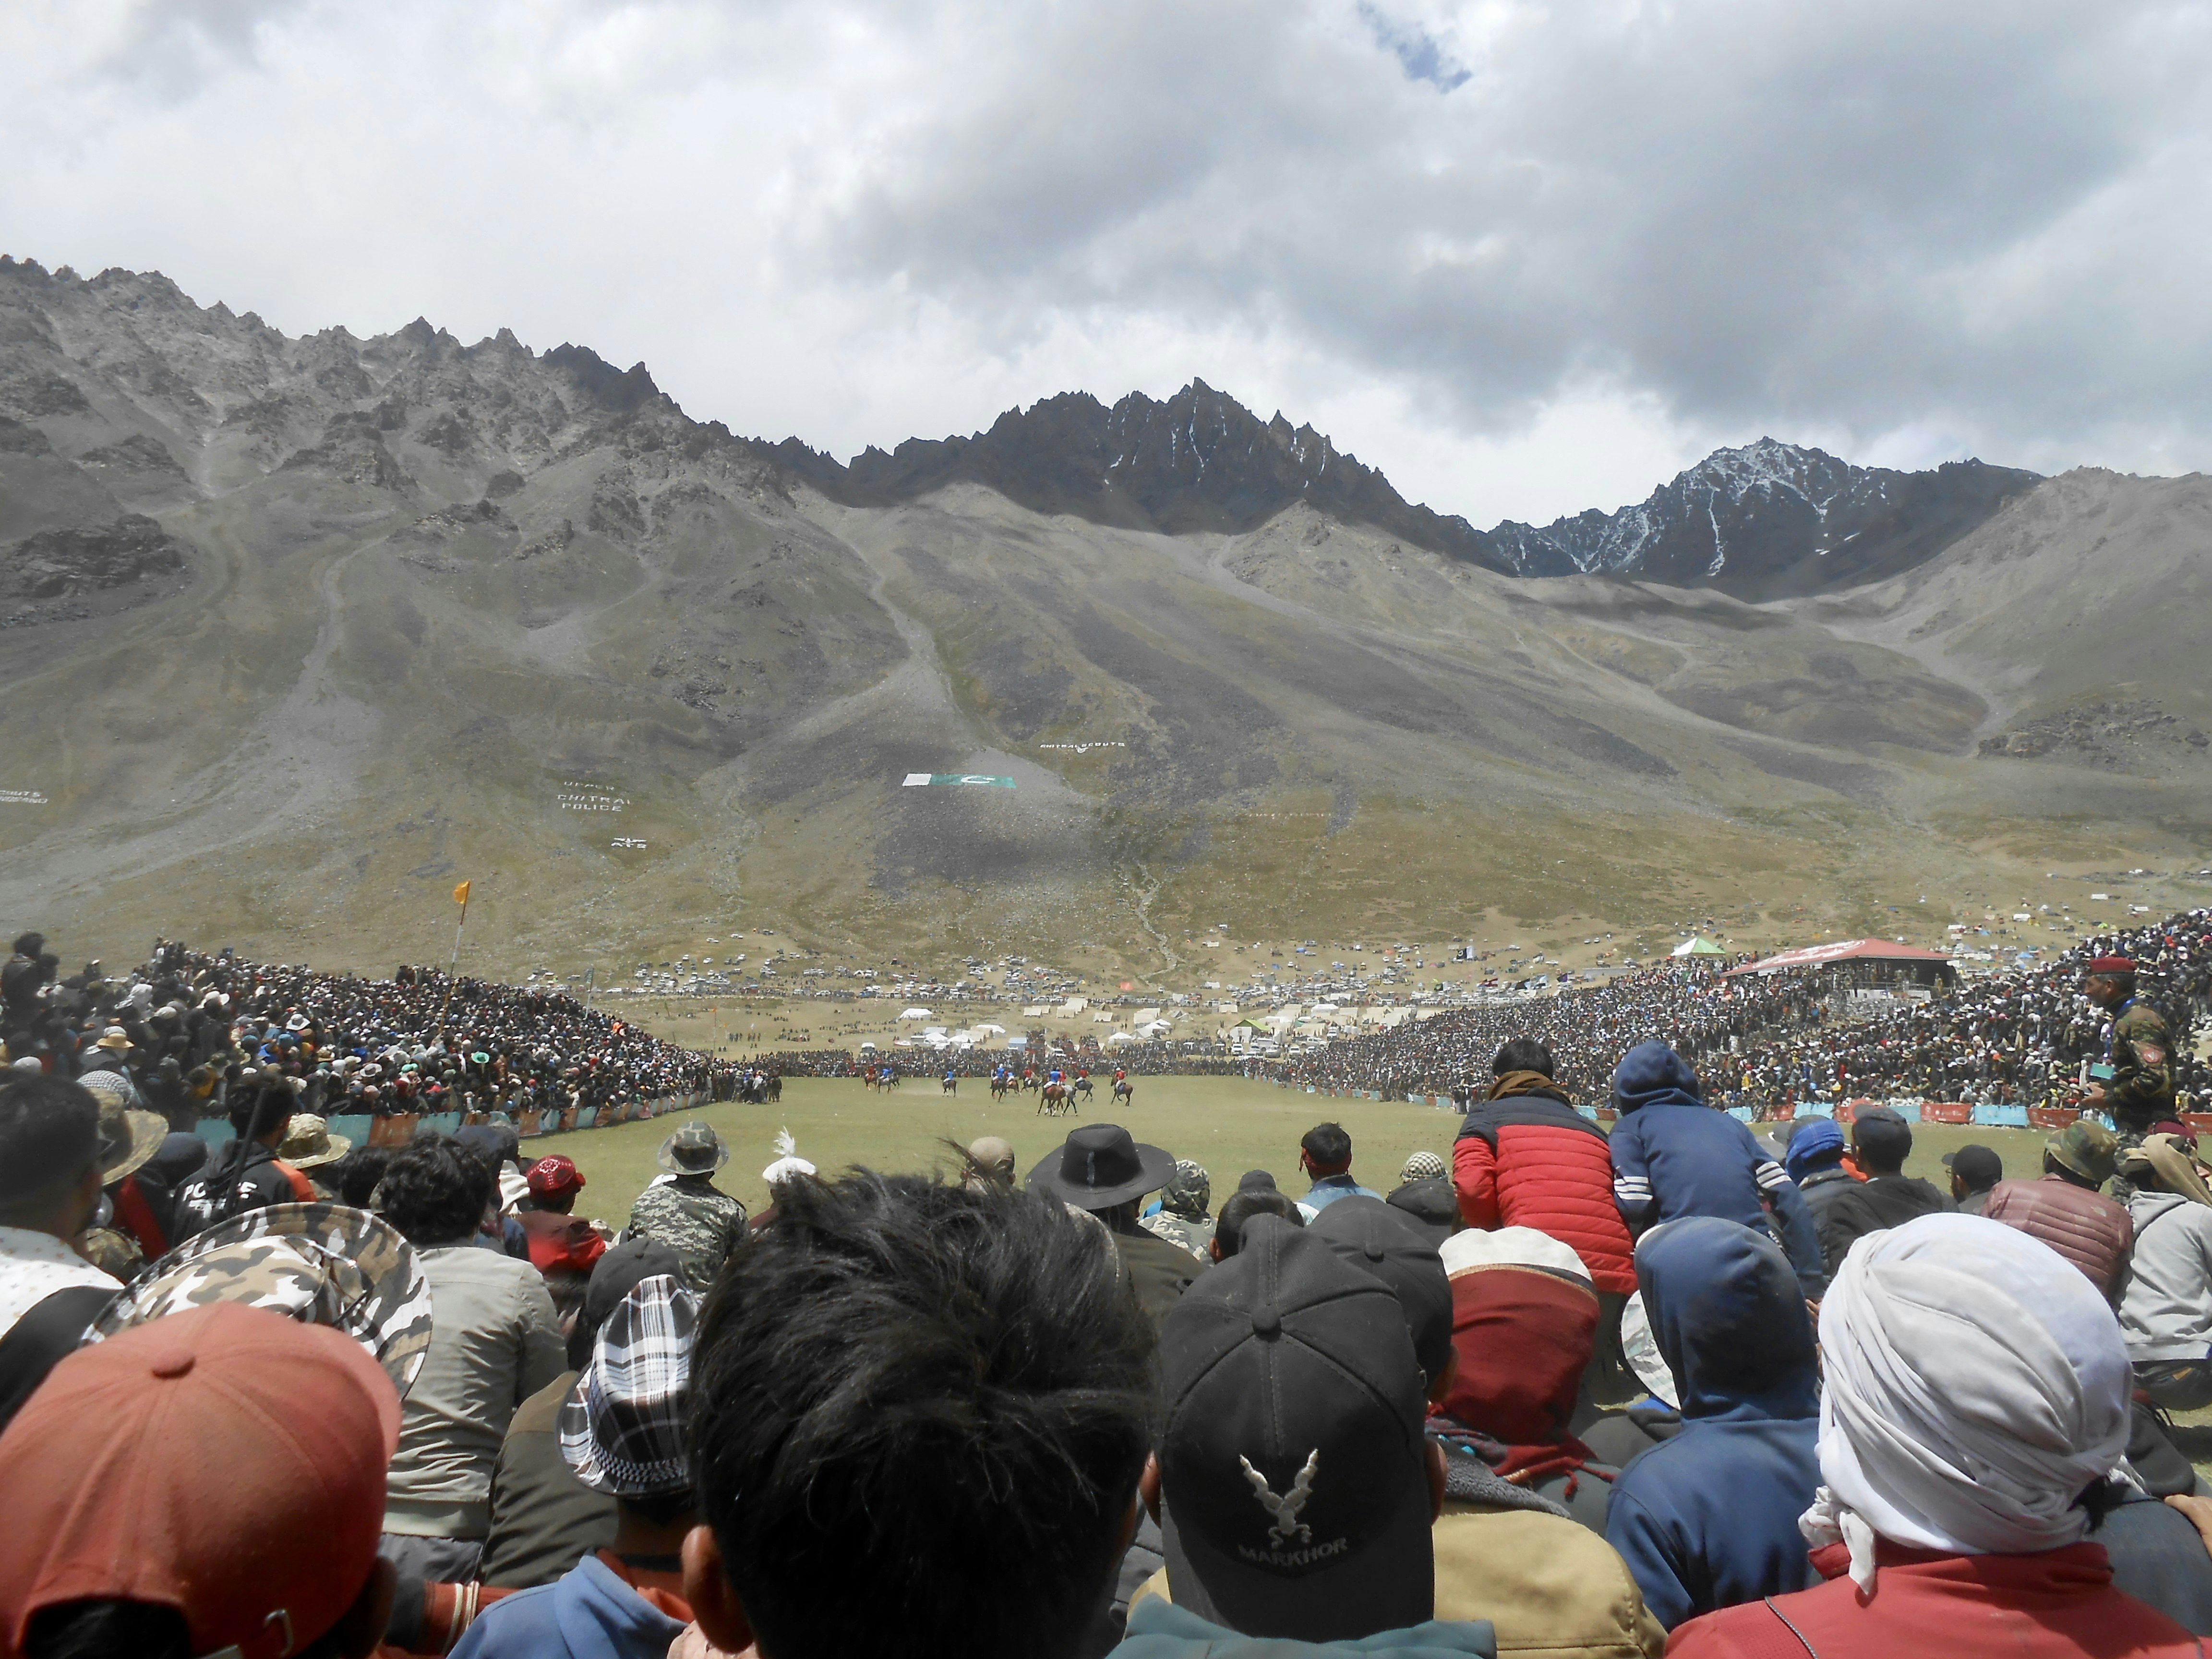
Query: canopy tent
{"x": 1697, "y": 945}
{"x": 1873, "y": 952}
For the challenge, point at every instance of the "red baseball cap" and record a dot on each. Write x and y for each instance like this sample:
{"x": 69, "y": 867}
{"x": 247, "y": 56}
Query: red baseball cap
{"x": 2110, "y": 965}
{"x": 554, "y": 1175}
{"x": 227, "y": 1463}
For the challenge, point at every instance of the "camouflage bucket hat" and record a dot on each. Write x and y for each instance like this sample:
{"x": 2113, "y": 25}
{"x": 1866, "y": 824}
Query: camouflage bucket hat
{"x": 695, "y": 1149}
{"x": 2086, "y": 1148}
{"x": 1188, "y": 1191}
{"x": 321, "y": 1264}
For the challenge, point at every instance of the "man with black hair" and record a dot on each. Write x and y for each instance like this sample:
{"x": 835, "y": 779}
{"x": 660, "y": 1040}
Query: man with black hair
{"x": 51, "y": 1172}
{"x": 1243, "y": 1205}
{"x": 919, "y": 1414}
{"x": 494, "y": 1340}
{"x": 1886, "y": 1198}
{"x": 247, "y": 1175}
{"x": 1325, "y": 1154}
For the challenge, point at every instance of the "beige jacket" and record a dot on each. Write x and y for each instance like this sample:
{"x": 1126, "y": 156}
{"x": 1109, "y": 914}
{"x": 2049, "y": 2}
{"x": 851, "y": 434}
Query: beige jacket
{"x": 1550, "y": 1587}
{"x": 494, "y": 1342}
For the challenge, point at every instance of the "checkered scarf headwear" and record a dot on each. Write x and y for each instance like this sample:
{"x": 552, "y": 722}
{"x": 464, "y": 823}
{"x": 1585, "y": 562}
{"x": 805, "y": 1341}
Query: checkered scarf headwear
{"x": 623, "y": 1425}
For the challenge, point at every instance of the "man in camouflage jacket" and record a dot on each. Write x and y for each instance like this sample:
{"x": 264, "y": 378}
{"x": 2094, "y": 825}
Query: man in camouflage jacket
{"x": 2139, "y": 1049}
{"x": 1182, "y": 1218}
{"x": 690, "y": 1214}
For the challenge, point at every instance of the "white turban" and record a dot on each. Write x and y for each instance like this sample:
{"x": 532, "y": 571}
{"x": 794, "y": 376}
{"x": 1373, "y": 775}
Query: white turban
{"x": 1976, "y": 1383}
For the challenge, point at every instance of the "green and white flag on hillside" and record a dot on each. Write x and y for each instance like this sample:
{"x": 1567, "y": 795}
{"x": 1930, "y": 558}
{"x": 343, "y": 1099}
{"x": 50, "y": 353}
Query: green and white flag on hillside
{"x": 918, "y": 780}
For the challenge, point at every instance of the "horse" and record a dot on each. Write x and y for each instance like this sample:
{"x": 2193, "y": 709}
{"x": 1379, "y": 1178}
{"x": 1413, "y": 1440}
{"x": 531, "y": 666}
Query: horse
{"x": 1054, "y": 1099}
{"x": 999, "y": 1085}
{"x": 1124, "y": 1092}
{"x": 950, "y": 1084}
{"x": 868, "y": 1076}
{"x": 1082, "y": 1086}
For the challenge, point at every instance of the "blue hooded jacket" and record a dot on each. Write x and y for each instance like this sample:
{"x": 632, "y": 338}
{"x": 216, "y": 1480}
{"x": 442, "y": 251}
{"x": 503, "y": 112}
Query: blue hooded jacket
{"x": 1673, "y": 1156}
{"x": 588, "y": 1614}
{"x": 1709, "y": 1518}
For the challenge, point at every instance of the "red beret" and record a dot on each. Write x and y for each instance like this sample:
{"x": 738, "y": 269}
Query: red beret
{"x": 2112, "y": 965}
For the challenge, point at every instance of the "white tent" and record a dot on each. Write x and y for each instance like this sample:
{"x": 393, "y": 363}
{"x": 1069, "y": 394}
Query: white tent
{"x": 917, "y": 1013}
{"x": 1119, "y": 1036}
{"x": 988, "y": 1030}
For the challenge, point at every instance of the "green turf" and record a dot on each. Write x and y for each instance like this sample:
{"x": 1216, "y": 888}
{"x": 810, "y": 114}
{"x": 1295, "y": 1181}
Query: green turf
{"x": 1227, "y": 1124}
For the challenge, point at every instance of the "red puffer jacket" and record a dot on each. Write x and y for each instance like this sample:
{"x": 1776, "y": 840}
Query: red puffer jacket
{"x": 1531, "y": 1160}
{"x": 2086, "y": 1228}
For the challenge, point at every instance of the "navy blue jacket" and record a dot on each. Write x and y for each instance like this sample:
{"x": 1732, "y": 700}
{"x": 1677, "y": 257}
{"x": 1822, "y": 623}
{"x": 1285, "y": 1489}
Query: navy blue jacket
{"x": 1673, "y": 1156}
{"x": 1709, "y": 1518}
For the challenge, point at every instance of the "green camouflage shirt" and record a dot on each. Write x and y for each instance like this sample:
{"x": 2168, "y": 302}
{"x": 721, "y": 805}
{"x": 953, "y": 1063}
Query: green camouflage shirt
{"x": 694, "y": 1219}
{"x": 1192, "y": 1236}
{"x": 2142, "y": 1088}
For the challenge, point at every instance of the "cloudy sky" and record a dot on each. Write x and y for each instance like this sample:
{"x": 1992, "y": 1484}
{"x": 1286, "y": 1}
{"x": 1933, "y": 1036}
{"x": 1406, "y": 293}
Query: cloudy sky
{"x": 1525, "y": 258}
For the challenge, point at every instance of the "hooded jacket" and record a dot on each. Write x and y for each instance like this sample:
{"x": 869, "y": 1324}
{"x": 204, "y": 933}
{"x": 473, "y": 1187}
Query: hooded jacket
{"x": 2166, "y": 1313}
{"x": 1528, "y": 1159}
{"x": 1158, "y": 1630}
{"x": 1673, "y": 1156}
{"x": 1709, "y": 1518}
{"x": 588, "y": 1613}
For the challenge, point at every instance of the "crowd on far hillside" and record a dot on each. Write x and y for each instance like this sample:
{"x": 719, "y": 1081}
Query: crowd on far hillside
{"x": 1777, "y": 1041}
{"x": 183, "y": 1027}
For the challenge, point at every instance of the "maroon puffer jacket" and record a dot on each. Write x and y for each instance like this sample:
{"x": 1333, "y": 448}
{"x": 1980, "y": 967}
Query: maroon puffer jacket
{"x": 2086, "y": 1228}
{"x": 1531, "y": 1160}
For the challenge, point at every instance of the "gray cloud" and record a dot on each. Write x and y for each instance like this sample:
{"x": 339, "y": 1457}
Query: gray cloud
{"x": 1907, "y": 232}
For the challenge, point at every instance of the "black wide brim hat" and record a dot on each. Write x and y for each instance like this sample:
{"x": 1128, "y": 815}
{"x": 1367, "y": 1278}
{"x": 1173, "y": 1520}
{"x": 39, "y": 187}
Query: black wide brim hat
{"x": 1100, "y": 1166}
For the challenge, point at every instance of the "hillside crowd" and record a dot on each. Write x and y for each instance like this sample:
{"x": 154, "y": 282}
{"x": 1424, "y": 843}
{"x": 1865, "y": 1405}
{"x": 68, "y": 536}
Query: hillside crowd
{"x": 1773, "y": 1041}
{"x": 183, "y": 1030}
{"x": 1546, "y": 1390}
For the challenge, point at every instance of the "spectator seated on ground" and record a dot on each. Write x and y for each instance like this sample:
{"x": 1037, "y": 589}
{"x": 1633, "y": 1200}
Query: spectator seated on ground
{"x": 1325, "y": 1154}
{"x": 1887, "y": 1197}
{"x": 494, "y": 1340}
{"x": 623, "y": 1432}
{"x": 1101, "y": 1171}
{"x": 1975, "y": 1170}
{"x": 938, "y": 1394}
{"x": 1524, "y": 1315}
{"x": 1709, "y": 1518}
{"x": 159, "y": 1507}
{"x": 544, "y": 1519}
{"x": 2165, "y": 1313}
{"x": 1949, "y": 1344}
{"x": 2067, "y": 1211}
{"x": 1243, "y": 1206}
{"x": 1291, "y": 1481}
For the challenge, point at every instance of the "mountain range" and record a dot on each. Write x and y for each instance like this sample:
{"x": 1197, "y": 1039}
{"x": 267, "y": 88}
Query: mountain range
{"x": 293, "y": 629}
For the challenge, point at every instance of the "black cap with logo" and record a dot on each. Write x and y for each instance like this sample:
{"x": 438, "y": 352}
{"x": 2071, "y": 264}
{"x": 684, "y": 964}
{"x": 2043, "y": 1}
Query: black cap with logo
{"x": 1295, "y": 1498}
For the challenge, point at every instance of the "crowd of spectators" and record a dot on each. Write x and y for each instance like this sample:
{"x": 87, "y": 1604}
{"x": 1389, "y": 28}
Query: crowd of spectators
{"x": 1558, "y": 1393}
{"x": 1777, "y": 1041}
{"x": 184, "y": 1030}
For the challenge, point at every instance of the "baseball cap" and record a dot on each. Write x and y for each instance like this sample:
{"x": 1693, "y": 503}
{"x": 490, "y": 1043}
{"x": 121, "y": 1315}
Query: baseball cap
{"x": 1295, "y": 1497}
{"x": 1430, "y": 1204}
{"x": 1978, "y": 1165}
{"x": 1882, "y": 1134}
{"x": 1817, "y": 1140}
{"x": 1379, "y": 1240}
{"x": 164, "y": 1466}
{"x": 624, "y": 1427}
{"x": 556, "y": 1174}
{"x": 1252, "y": 1180}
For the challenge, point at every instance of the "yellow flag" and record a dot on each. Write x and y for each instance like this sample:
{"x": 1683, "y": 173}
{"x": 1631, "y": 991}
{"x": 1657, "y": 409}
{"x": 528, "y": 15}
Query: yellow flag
{"x": 461, "y": 894}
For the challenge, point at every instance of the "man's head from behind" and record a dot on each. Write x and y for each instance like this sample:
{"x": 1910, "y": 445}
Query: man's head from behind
{"x": 939, "y": 1393}
{"x": 1325, "y": 1150}
{"x": 1237, "y": 1213}
{"x": 1293, "y": 1480}
{"x": 436, "y": 1190}
{"x": 1974, "y": 1168}
{"x": 50, "y": 1146}
{"x": 1882, "y": 1140}
{"x": 1523, "y": 1054}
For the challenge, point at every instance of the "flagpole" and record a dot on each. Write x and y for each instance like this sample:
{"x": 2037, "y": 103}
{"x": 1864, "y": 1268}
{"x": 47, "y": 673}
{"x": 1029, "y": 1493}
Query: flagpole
{"x": 461, "y": 893}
